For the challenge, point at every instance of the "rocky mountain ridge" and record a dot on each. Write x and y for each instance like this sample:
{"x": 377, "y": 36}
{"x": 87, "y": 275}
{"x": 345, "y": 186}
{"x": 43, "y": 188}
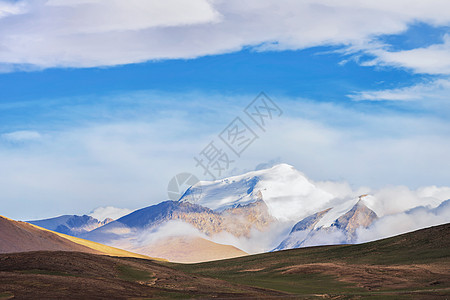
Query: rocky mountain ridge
{"x": 71, "y": 224}
{"x": 343, "y": 230}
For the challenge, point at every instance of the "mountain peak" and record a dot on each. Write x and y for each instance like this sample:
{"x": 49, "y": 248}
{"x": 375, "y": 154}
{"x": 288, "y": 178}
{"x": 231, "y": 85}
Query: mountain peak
{"x": 282, "y": 167}
{"x": 359, "y": 216}
{"x": 287, "y": 192}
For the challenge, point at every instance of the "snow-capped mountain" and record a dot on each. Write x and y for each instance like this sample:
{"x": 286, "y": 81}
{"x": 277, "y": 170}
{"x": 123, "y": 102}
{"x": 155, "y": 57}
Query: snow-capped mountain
{"x": 330, "y": 226}
{"x": 71, "y": 224}
{"x": 287, "y": 193}
{"x": 272, "y": 209}
{"x": 257, "y": 208}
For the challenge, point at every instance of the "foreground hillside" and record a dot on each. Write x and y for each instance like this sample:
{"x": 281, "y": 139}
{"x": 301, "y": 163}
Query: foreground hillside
{"x": 415, "y": 265}
{"x": 412, "y": 265}
{"x": 20, "y": 237}
{"x": 74, "y": 275}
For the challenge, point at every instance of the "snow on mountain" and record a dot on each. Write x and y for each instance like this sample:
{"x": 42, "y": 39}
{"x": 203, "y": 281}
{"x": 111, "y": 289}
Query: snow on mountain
{"x": 288, "y": 194}
{"x": 331, "y": 226}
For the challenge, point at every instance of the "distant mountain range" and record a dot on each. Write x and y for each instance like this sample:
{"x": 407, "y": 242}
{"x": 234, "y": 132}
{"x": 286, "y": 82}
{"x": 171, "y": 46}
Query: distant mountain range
{"x": 71, "y": 224}
{"x": 266, "y": 210}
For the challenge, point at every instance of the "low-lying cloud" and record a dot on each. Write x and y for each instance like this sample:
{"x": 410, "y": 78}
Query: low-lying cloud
{"x": 410, "y": 220}
{"x": 102, "y": 213}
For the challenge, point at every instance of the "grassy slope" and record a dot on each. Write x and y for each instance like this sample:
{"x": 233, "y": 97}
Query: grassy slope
{"x": 76, "y": 275}
{"x": 419, "y": 259}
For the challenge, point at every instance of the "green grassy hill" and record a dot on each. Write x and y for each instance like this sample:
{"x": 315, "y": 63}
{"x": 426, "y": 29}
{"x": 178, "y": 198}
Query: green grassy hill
{"x": 416, "y": 264}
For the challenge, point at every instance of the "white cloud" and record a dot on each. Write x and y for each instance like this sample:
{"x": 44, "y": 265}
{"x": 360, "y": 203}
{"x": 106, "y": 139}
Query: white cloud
{"x": 101, "y": 213}
{"x": 433, "y": 191}
{"x": 397, "y": 199}
{"x": 257, "y": 241}
{"x": 434, "y": 59}
{"x": 100, "y": 16}
{"x": 173, "y": 228}
{"x": 11, "y": 8}
{"x": 100, "y": 32}
{"x": 22, "y": 136}
{"x": 438, "y": 89}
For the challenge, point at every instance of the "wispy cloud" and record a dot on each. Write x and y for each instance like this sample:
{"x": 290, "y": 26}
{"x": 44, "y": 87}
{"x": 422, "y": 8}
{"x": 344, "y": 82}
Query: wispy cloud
{"x": 438, "y": 89}
{"x": 8, "y": 8}
{"x": 434, "y": 59}
{"x": 21, "y": 136}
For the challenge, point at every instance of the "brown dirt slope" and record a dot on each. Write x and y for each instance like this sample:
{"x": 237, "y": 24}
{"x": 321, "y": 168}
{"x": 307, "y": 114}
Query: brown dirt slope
{"x": 18, "y": 236}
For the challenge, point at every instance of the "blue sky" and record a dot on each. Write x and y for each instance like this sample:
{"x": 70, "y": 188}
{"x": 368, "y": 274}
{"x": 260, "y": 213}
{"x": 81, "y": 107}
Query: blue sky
{"x": 101, "y": 103}
{"x": 292, "y": 73}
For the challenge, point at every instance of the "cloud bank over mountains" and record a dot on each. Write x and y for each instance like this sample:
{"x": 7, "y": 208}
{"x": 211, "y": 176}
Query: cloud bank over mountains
{"x": 266, "y": 210}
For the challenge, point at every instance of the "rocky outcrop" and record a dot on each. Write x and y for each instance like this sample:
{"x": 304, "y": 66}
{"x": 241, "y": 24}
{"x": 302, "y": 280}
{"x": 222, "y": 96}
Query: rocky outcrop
{"x": 238, "y": 221}
{"x": 359, "y": 216}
